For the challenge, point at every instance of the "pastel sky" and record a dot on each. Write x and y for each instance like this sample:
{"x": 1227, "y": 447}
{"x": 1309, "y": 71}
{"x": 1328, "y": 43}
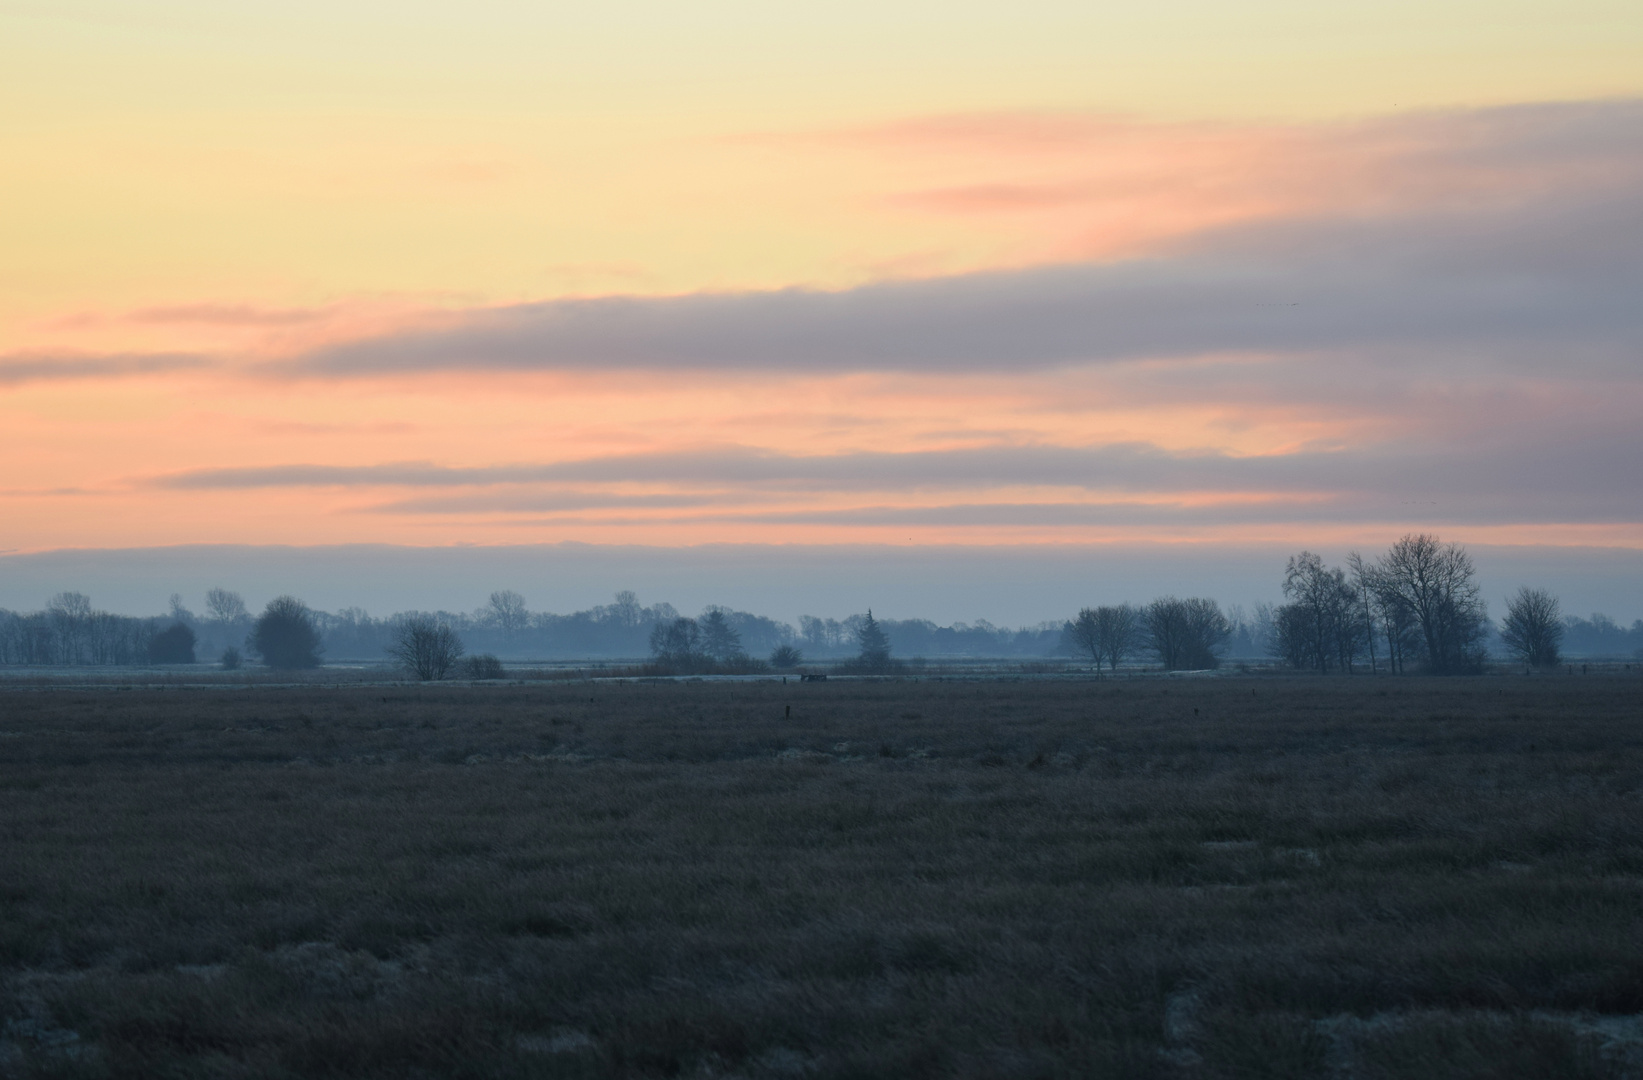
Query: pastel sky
{"x": 1181, "y": 272}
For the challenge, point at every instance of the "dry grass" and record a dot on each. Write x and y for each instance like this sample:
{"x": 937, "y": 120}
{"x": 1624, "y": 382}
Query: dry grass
{"x": 1229, "y": 877}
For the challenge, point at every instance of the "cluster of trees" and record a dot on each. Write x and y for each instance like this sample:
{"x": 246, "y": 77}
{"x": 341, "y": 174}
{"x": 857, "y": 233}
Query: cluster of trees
{"x": 506, "y": 627}
{"x": 1602, "y": 636}
{"x": 1418, "y": 606}
{"x": 713, "y": 644}
{"x": 70, "y": 631}
{"x": 840, "y": 638}
{"x": 1184, "y": 635}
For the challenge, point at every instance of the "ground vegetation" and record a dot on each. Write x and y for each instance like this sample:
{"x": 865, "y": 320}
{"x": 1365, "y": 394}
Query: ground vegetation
{"x": 1299, "y": 877}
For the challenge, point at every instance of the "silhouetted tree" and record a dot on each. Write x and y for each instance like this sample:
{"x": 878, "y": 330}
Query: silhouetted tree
{"x": 285, "y": 635}
{"x": 1185, "y": 633}
{"x": 507, "y": 612}
{"x": 1321, "y": 626}
{"x": 786, "y": 656}
{"x": 173, "y": 645}
{"x": 1110, "y": 633}
{"x": 1533, "y": 627}
{"x": 426, "y": 647}
{"x": 1386, "y": 614}
{"x": 874, "y": 644}
{"x": 223, "y": 606}
{"x": 719, "y": 639}
{"x": 1085, "y": 635}
{"x": 626, "y": 609}
{"x": 1431, "y": 583}
{"x": 70, "y": 605}
{"x": 677, "y": 643}
{"x": 230, "y": 659}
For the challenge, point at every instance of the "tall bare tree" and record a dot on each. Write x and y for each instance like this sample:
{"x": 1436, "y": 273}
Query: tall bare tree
{"x": 75, "y": 624}
{"x": 507, "y": 611}
{"x": 1320, "y": 627}
{"x": 71, "y": 605}
{"x": 1433, "y": 582}
{"x": 1110, "y": 634}
{"x": 626, "y": 610}
{"x": 677, "y": 643}
{"x": 1533, "y": 627}
{"x": 223, "y": 606}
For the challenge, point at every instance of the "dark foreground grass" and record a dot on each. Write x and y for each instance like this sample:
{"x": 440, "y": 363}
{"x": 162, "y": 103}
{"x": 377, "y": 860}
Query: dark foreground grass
{"x": 1261, "y": 878}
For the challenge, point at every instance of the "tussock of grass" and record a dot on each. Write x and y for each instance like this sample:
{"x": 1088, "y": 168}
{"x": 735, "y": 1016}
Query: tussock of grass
{"x": 902, "y": 879}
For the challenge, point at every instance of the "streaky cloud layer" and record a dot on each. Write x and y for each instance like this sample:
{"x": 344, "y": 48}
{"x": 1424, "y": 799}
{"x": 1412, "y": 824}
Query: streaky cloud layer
{"x": 1327, "y": 331}
{"x": 1534, "y": 240}
{"x": 24, "y": 368}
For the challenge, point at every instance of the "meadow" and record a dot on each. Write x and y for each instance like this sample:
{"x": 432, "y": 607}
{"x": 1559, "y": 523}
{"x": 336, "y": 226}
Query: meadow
{"x": 1216, "y": 877}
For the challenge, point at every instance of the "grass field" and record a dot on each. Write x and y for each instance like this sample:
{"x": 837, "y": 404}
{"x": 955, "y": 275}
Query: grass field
{"x": 1254, "y": 877}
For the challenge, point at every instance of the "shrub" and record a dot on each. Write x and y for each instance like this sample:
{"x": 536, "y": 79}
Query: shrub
{"x": 285, "y": 635}
{"x": 483, "y": 666}
{"x": 230, "y": 659}
{"x": 786, "y": 656}
{"x": 427, "y": 648}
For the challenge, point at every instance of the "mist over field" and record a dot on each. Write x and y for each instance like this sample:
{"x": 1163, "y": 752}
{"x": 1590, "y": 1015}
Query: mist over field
{"x": 1008, "y": 586}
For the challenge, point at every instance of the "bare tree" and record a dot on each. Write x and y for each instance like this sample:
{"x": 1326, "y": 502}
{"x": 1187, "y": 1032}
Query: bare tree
{"x": 426, "y": 647}
{"x": 72, "y": 620}
{"x": 626, "y": 609}
{"x": 1386, "y": 614}
{"x": 1109, "y": 634}
{"x": 507, "y": 611}
{"x": 1365, "y": 607}
{"x": 71, "y": 605}
{"x": 1320, "y": 627}
{"x": 223, "y": 606}
{"x": 1185, "y": 633}
{"x": 1533, "y": 627}
{"x": 1085, "y": 634}
{"x": 677, "y": 643}
{"x": 1431, "y": 584}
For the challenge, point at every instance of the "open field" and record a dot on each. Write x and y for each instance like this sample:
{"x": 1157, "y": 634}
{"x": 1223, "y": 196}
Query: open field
{"x": 1194, "y": 878}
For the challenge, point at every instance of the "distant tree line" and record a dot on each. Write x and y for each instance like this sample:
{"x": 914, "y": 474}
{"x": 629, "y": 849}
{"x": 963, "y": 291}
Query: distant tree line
{"x": 70, "y": 632}
{"x": 1417, "y": 607}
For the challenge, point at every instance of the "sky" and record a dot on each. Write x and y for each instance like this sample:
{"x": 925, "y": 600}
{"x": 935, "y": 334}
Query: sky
{"x": 1102, "y": 285}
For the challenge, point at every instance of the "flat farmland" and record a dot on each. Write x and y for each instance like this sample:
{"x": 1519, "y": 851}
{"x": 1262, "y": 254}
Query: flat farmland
{"x": 1350, "y": 877}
